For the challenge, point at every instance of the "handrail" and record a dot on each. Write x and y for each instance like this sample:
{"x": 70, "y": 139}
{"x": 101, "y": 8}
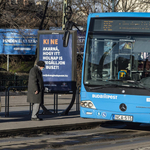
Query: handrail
{"x": 7, "y": 99}
{"x": 65, "y": 112}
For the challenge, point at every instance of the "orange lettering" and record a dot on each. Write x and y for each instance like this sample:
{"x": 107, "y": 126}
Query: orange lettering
{"x": 45, "y": 41}
{"x": 56, "y": 41}
{"x": 52, "y": 41}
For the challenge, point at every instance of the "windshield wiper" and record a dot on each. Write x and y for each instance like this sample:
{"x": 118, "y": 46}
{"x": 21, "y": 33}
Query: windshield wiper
{"x": 113, "y": 85}
{"x": 127, "y": 81}
{"x": 121, "y": 83}
{"x": 115, "y": 80}
{"x": 104, "y": 86}
{"x": 139, "y": 84}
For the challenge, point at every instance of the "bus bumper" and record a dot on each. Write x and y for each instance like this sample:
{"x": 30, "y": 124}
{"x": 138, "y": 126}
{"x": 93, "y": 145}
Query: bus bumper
{"x": 118, "y": 116}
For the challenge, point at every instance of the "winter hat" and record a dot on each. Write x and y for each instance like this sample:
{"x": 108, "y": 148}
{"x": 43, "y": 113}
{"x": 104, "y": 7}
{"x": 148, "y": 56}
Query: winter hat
{"x": 41, "y": 63}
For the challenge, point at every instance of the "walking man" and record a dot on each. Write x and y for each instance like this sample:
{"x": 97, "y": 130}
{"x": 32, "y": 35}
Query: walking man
{"x": 35, "y": 93}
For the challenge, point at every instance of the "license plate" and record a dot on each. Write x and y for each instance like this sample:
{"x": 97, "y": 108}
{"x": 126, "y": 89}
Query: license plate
{"x": 123, "y": 117}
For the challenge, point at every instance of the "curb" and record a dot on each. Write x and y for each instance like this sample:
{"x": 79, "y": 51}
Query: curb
{"x": 49, "y": 129}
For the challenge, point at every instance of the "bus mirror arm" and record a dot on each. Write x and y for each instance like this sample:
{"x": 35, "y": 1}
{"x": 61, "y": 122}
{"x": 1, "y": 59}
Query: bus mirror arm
{"x": 77, "y": 27}
{"x": 66, "y": 38}
{"x": 68, "y": 26}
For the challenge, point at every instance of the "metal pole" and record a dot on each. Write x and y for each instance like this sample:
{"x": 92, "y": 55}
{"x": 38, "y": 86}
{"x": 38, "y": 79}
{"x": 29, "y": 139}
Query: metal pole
{"x": 7, "y": 62}
{"x": 6, "y": 102}
{"x": 0, "y": 104}
{"x": 30, "y": 108}
{"x": 54, "y": 102}
{"x": 65, "y": 4}
{"x": 113, "y": 5}
{"x": 77, "y": 99}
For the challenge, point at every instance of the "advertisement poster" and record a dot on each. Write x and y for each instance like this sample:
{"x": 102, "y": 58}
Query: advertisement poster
{"x": 18, "y": 41}
{"x": 57, "y": 74}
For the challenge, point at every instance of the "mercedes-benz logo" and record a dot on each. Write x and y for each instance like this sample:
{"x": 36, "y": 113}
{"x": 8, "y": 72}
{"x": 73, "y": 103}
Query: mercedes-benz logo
{"x": 123, "y": 107}
{"x": 123, "y": 91}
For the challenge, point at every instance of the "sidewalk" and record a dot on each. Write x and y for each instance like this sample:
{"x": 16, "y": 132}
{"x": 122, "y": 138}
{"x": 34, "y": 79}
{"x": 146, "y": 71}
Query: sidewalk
{"x": 20, "y": 118}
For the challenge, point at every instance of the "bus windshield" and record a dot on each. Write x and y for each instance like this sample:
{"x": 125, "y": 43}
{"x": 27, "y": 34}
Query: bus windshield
{"x": 122, "y": 60}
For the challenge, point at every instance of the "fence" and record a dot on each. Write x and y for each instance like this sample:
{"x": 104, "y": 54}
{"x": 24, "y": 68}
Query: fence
{"x": 8, "y": 80}
{"x": 55, "y": 111}
{"x": 18, "y": 83}
{"x": 7, "y": 98}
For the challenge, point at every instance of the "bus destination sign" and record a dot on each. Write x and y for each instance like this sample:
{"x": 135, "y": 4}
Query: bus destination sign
{"x": 120, "y": 25}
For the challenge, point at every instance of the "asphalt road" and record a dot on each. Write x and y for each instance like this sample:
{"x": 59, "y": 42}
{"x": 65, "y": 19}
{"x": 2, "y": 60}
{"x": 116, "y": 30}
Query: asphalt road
{"x": 107, "y": 136}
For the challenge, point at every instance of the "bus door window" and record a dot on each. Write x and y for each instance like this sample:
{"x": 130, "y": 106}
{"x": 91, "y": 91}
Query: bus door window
{"x": 141, "y": 51}
{"x": 124, "y": 60}
{"x": 95, "y": 49}
{"x": 105, "y": 64}
{"x": 98, "y": 51}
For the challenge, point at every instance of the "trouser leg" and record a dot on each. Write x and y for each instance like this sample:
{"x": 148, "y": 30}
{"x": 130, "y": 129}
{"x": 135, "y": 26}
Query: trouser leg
{"x": 35, "y": 110}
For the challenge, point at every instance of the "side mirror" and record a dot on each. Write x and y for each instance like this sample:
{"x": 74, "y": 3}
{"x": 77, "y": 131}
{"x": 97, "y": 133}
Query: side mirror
{"x": 66, "y": 38}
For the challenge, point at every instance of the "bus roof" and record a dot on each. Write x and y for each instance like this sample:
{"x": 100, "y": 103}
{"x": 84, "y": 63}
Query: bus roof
{"x": 120, "y": 14}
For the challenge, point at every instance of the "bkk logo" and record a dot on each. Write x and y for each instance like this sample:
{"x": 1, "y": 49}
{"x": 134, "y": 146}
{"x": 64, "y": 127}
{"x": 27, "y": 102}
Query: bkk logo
{"x": 104, "y": 96}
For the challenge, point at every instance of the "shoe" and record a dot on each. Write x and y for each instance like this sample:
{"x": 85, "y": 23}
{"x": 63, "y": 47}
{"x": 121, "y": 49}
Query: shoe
{"x": 36, "y": 119}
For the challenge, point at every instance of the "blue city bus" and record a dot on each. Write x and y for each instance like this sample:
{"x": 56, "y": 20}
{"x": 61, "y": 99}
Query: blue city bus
{"x": 116, "y": 67}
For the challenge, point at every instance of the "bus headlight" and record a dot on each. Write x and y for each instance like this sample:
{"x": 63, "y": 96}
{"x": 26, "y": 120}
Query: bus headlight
{"x": 87, "y": 104}
{"x": 90, "y": 105}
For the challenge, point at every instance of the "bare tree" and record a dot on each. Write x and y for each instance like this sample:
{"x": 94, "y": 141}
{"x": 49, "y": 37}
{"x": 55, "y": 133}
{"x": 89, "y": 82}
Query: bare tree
{"x": 133, "y": 6}
{"x": 16, "y": 15}
{"x": 19, "y": 16}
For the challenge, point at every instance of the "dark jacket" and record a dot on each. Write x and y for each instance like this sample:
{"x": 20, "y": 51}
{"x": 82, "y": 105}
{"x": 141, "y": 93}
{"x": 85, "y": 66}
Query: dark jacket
{"x": 35, "y": 83}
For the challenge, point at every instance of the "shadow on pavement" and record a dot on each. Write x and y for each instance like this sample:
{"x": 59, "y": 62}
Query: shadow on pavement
{"x": 26, "y": 116}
